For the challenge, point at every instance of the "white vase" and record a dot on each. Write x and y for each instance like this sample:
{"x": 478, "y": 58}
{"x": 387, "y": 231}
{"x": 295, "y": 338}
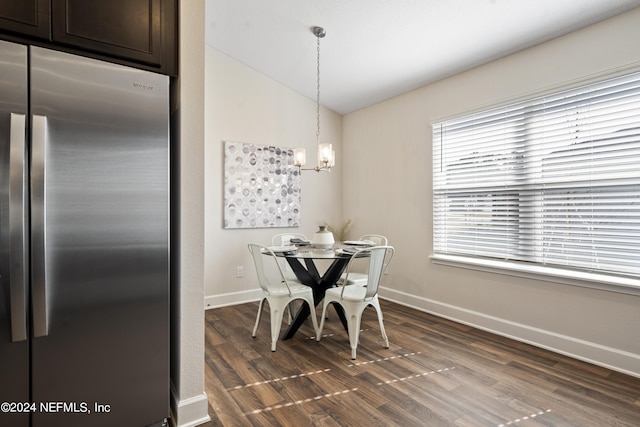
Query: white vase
{"x": 323, "y": 238}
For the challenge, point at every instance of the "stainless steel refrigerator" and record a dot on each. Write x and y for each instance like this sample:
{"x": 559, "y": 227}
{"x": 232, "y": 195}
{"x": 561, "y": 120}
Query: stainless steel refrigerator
{"x": 84, "y": 241}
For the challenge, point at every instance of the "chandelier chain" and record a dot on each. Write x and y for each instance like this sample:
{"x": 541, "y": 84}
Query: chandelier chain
{"x": 318, "y": 93}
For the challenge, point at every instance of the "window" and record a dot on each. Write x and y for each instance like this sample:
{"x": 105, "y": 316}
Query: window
{"x": 552, "y": 181}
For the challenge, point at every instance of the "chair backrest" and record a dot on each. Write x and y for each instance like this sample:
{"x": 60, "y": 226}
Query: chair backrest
{"x": 284, "y": 239}
{"x": 262, "y": 254}
{"x": 377, "y": 239}
{"x": 379, "y": 258}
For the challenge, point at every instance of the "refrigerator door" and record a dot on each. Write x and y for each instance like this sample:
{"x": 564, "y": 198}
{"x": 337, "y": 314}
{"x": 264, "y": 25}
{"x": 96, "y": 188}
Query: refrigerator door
{"x": 14, "y": 347}
{"x": 99, "y": 242}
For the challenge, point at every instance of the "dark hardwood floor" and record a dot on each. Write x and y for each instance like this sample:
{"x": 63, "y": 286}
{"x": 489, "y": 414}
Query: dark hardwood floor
{"x": 435, "y": 373}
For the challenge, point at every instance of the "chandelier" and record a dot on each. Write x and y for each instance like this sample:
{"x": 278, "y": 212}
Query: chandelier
{"x": 326, "y": 155}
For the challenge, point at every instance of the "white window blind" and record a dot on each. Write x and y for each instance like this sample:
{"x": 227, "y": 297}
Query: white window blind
{"x": 553, "y": 181}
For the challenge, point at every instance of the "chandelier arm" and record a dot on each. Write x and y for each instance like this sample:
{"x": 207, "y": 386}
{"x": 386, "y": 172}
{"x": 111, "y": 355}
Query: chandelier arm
{"x": 316, "y": 168}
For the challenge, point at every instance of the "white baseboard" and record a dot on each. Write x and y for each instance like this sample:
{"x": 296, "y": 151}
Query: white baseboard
{"x": 189, "y": 412}
{"x": 608, "y": 357}
{"x": 233, "y": 298}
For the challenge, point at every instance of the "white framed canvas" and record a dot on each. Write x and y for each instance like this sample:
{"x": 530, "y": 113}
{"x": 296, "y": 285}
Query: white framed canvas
{"x": 261, "y": 186}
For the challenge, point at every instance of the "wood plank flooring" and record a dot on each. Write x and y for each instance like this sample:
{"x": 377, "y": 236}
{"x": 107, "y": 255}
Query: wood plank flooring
{"x": 435, "y": 373}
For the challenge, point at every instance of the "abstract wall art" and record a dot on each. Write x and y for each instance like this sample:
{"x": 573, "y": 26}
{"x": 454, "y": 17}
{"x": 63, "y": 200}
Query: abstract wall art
{"x": 261, "y": 186}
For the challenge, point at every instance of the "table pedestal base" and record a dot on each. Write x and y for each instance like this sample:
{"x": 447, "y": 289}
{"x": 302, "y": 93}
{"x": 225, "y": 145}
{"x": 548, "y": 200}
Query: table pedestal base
{"x": 310, "y": 277}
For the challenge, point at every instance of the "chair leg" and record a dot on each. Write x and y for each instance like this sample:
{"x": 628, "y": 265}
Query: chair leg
{"x": 354, "y": 332}
{"x": 277, "y": 313}
{"x": 322, "y": 319}
{"x": 290, "y": 311}
{"x": 312, "y": 314}
{"x": 255, "y": 327}
{"x": 376, "y": 305}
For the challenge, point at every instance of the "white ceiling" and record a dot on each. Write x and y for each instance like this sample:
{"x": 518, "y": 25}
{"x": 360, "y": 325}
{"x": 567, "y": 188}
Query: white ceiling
{"x": 377, "y": 49}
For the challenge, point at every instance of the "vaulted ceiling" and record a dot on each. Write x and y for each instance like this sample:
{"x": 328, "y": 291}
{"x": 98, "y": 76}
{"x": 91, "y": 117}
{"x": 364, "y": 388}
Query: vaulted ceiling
{"x": 377, "y": 49}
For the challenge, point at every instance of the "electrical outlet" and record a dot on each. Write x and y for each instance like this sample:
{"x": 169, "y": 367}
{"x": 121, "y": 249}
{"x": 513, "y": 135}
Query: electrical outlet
{"x": 239, "y": 271}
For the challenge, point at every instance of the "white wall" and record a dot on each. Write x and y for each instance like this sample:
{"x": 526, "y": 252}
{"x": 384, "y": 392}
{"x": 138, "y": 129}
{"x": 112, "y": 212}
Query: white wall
{"x": 189, "y": 402}
{"x": 243, "y": 105}
{"x": 395, "y": 199}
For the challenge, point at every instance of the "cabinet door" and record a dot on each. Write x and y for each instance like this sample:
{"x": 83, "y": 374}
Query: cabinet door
{"x": 25, "y": 17}
{"x": 142, "y": 31}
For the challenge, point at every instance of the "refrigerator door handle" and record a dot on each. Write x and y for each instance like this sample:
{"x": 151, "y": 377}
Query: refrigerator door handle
{"x": 38, "y": 226}
{"x": 17, "y": 230}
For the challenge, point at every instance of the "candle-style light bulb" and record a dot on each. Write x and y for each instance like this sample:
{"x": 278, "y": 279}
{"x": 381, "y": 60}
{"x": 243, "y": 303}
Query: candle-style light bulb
{"x": 325, "y": 153}
{"x": 299, "y": 157}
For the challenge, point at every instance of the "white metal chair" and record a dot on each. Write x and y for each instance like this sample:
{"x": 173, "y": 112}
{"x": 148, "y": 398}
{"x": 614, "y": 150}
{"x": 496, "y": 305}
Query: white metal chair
{"x": 279, "y": 292}
{"x": 357, "y": 277}
{"x": 355, "y": 298}
{"x": 284, "y": 239}
{"x": 377, "y": 239}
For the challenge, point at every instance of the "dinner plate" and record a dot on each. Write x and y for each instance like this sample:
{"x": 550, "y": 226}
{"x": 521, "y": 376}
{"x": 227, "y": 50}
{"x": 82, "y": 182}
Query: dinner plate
{"x": 280, "y": 249}
{"x": 359, "y": 242}
{"x": 348, "y": 251}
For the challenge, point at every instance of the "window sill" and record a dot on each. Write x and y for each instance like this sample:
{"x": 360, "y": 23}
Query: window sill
{"x": 603, "y": 282}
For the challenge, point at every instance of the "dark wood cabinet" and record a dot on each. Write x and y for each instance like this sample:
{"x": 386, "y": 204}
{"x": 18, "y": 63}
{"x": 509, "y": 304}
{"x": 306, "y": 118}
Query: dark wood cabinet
{"x": 138, "y": 30}
{"x": 141, "y": 33}
{"x": 26, "y": 17}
